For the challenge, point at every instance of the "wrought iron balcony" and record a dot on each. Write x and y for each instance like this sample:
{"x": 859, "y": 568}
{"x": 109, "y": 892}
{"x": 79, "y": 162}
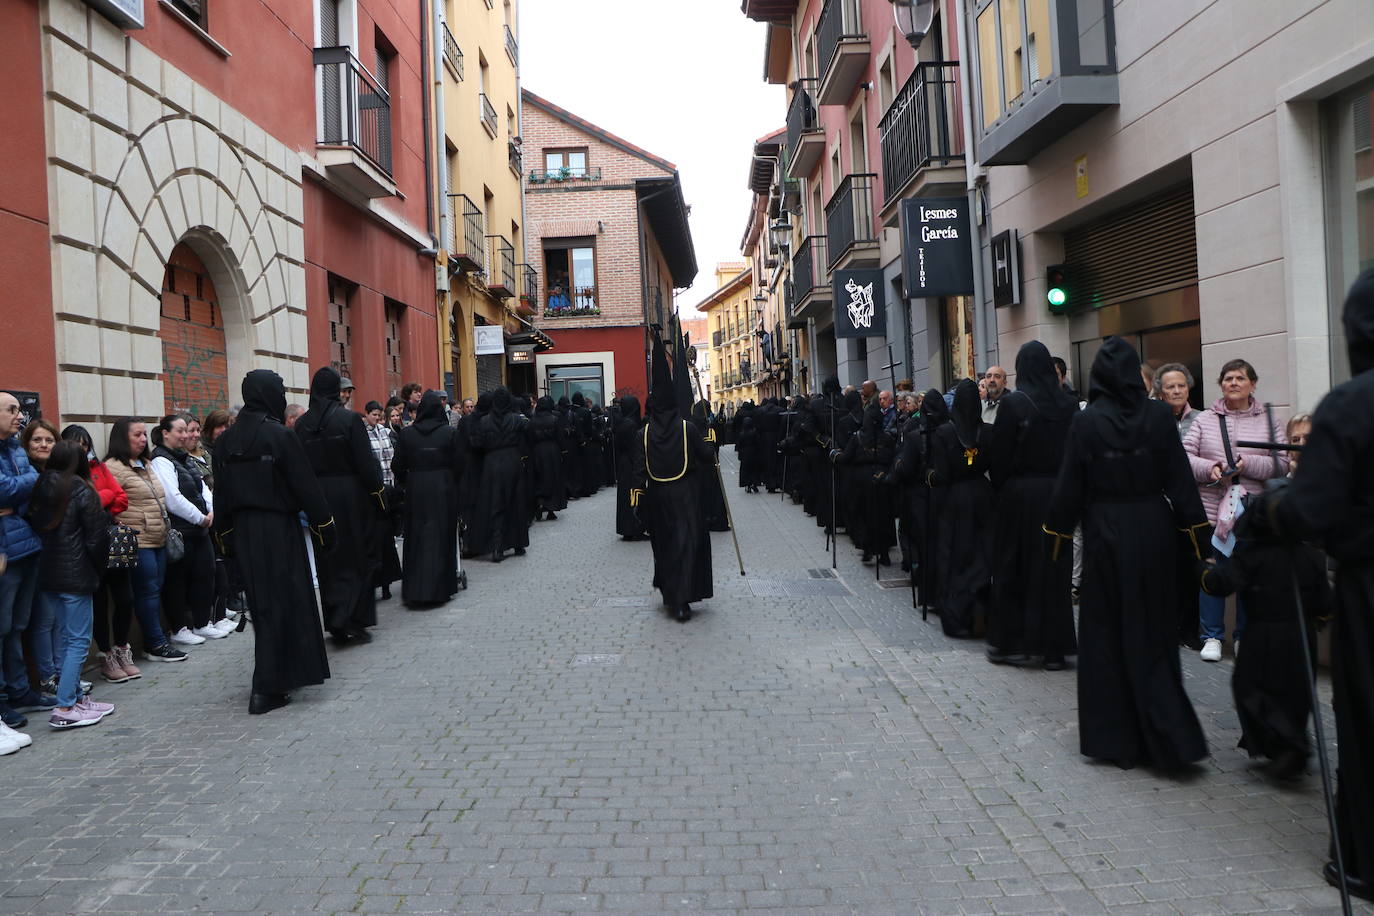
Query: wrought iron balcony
{"x": 469, "y": 236}
{"x": 811, "y": 294}
{"x": 582, "y": 303}
{"x": 501, "y": 275}
{"x": 515, "y": 156}
{"x": 488, "y": 114}
{"x": 453, "y": 55}
{"x": 842, "y": 48}
{"x": 529, "y": 288}
{"x": 512, "y": 48}
{"x": 355, "y": 115}
{"x": 849, "y": 219}
{"x": 805, "y": 138}
{"x": 553, "y": 176}
{"x": 920, "y": 127}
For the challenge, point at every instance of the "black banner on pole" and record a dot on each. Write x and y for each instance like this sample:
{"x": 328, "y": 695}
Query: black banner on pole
{"x": 860, "y": 303}
{"x": 937, "y": 253}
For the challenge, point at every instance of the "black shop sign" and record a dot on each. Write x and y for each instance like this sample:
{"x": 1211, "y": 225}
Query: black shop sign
{"x": 937, "y": 256}
{"x": 860, "y": 303}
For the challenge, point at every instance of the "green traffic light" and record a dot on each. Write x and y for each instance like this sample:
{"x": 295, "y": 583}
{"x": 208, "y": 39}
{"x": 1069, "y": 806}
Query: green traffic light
{"x": 1056, "y": 296}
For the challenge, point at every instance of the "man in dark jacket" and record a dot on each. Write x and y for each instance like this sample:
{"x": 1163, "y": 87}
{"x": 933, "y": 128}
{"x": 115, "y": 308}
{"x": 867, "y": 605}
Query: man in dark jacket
{"x": 263, "y": 483}
{"x": 336, "y": 443}
{"x": 20, "y": 546}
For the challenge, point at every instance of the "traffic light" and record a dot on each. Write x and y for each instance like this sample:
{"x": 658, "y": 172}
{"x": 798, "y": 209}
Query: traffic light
{"x": 1057, "y": 288}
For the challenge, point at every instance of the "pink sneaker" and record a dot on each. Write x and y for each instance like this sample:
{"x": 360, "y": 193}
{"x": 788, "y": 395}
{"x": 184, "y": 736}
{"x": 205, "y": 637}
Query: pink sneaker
{"x": 111, "y": 670}
{"x": 76, "y": 717}
{"x": 103, "y": 709}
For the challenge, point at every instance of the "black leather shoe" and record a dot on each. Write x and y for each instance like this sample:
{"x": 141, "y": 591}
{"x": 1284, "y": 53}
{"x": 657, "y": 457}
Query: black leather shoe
{"x": 497, "y": 556}
{"x": 519, "y": 551}
{"x": 386, "y": 592}
{"x": 342, "y": 637}
{"x": 1358, "y": 887}
{"x": 884, "y": 559}
{"x": 1054, "y": 664}
{"x": 552, "y": 516}
{"x": 359, "y": 635}
{"x": 1006, "y": 658}
{"x": 683, "y": 613}
{"x": 260, "y": 703}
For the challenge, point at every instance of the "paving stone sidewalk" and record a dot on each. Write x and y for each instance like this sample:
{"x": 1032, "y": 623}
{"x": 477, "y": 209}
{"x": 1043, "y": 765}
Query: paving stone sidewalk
{"x": 552, "y": 741}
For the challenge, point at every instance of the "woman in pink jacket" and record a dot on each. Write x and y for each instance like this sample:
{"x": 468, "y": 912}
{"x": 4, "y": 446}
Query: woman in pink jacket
{"x": 1215, "y": 472}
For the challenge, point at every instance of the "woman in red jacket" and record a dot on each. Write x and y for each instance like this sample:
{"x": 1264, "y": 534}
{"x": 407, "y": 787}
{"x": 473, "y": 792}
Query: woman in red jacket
{"x": 117, "y": 658}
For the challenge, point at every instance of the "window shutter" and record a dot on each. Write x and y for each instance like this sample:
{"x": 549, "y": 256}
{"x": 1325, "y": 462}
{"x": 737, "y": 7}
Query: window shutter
{"x": 1146, "y": 248}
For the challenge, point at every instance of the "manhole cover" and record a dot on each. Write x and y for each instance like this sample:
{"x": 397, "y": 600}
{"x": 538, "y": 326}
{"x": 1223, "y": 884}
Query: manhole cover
{"x": 796, "y": 588}
{"x": 627, "y": 601}
{"x": 596, "y": 660}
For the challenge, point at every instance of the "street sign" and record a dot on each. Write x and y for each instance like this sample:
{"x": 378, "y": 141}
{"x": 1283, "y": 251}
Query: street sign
{"x": 937, "y": 256}
{"x": 1006, "y": 268}
{"x": 860, "y": 303}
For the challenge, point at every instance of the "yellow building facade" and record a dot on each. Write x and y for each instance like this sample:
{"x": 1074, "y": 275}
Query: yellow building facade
{"x": 731, "y": 320}
{"x": 482, "y": 279}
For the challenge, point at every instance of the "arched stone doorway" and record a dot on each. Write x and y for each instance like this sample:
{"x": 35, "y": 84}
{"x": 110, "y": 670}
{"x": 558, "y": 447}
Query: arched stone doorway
{"x": 195, "y": 369}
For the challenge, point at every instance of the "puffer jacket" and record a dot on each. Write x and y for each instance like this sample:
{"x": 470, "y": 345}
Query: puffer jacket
{"x": 112, "y": 495}
{"x": 76, "y": 547}
{"x": 17, "y": 480}
{"x": 1205, "y": 450}
{"x": 146, "y": 502}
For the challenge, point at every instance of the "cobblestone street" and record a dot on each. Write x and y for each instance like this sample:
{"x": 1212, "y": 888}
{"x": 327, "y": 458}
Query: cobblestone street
{"x": 552, "y": 741}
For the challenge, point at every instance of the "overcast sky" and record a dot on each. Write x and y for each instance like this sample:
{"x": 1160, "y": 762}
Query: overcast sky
{"x": 682, "y": 80}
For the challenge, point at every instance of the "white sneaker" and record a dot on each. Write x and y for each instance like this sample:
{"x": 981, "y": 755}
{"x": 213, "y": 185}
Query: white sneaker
{"x": 10, "y": 734}
{"x": 226, "y": 626}
{"x": 185, "y": 637}
{"x": 8, "y": 745}
{"x": 1211, "y": 650}
{"x": 209, "y": 631}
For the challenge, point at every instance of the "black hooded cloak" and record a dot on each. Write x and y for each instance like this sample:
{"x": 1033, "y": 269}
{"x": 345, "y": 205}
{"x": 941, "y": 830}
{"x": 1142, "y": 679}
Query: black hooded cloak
{"x": 1126, "y": 478}
{"x": 572, "y": 448}
{"x": 959, "y": 459}
{"x": 712, "y": 496}
{"x": 866, "y": 457}
{"x": 335, "y": 440}
{"x": 472, "y": 535}
{"x": 429, "y": 466}
{"x": 1032, "y": 605}
{"x": 588, "y": 449}
{"x": 546, "y": 459}
{"x": 627, "y": 438}
{"x": 1331, "y": 502}
{"x": 502, "y": 437}
{"x": 263, "y": 482}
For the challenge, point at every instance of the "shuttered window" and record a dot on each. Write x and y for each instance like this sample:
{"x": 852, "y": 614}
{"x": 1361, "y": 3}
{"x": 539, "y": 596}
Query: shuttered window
{"x": 1146, "y": 248}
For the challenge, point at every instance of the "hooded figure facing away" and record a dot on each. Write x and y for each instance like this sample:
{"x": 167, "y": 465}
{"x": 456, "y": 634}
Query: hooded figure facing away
{"x": 263, "y": 481}
{"x": 671, "y": 456}
{"x": 546, "y": 457}
{"x": 335, "y": 440}
{"x": 1032, "y": 608}
{"x": 502, "y": 438}
{"x": 1331, "y": 501}
{"x": 712, "y": 495}
{"x": 959, "y": 460}
{"x": 429, "y": 466}
{"x": 1126, "y": 477}
{"x": 627, "y": 437}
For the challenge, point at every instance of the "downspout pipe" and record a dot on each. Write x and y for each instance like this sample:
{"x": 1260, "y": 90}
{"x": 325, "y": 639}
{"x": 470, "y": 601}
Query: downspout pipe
{"x": 424, "y": 125}
{"x": 984, "y": 338}
{"x": 436, "y": 64}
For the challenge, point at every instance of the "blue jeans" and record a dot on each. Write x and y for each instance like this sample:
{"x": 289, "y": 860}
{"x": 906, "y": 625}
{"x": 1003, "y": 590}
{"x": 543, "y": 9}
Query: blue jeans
{"x": 17, "y": 589}
{"x": 148, "y": 577}
{"x": 73, "y": 615}
{"x": 45, "y": 641}
{"x": 1212, "y": 611}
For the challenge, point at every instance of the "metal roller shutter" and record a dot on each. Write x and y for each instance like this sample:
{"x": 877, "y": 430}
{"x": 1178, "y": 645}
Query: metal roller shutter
{"x": 1149, "y": 247}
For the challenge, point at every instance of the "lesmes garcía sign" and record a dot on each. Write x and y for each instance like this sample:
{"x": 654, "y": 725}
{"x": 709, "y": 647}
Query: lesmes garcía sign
{"x": 937, "y": 257}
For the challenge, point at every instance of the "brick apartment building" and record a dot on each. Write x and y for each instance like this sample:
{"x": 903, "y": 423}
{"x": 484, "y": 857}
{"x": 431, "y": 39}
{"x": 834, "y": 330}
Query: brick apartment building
{"x": 607, "y": 235}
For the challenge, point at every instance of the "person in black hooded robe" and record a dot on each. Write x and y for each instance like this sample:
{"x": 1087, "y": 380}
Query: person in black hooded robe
{"x": 588, "y": 450}
{"x": 1032, "y": 607}
{"x": 671, "y": 456}
{"x": 849, "y": 478}
{"x": 712, "y": 496}
{"x": 627, "y": 437}
{"x": 546, "y": 461}
{"x": 472, "y": 532}
{"x": 1331, "y": 502}
{"x": 335, "y": 440}
{"x": 768, "y": 422}
{"x": 1126, "y": 477}
{"x": 913, "y": 467}
{"x": 866, "y": 458}
{"x": 959, "y": 460}
{"x": 572, "y": 448}
{"x": 263, "y": 482}
{"x": 429, "y": 465}
{"x": 749, "y": 447}
{"x": 503, "y": 439}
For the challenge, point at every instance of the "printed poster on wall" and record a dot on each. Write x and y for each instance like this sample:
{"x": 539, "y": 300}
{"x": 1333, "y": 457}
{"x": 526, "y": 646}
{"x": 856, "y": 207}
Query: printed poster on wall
{"x": 489, "y": 340}
{"x": 937, "y": 257}
{"x": 860, "y": 303}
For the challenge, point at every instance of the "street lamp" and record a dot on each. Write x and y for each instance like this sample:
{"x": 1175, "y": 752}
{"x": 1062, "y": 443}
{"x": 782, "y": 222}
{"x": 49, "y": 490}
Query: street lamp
{"x": 914, "y": 18}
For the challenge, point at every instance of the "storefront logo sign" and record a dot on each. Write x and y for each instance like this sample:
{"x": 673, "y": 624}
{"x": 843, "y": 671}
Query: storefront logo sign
{"x": 488, "y": 340}
{"x": 1006, "y": 268}
{"x": 937, "y": 258}
{"x": 860, "y": 309}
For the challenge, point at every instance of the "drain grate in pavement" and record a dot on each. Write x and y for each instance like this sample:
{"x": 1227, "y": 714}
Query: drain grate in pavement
{"x": 597, "y": 660}
{"x": 627, "y": 601}
{"x": 894, "y": 583}
{"x": 821, "y": 573}
{"x": 796, "y": 588}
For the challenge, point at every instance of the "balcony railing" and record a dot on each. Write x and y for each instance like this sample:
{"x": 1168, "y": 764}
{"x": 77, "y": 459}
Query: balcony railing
{"x": 839, "y": 23}
{"x": 488, "y": 113}
{"x": 553, "y": 176}
{"x": 919, "y": 129}
{"x": 469, "y": 236}
{"x": 849, "y": 215}
{"x": 501, "y": 275}
{"x": 582, "y": 303}
{"x": 512, "y": 48}
{"x": 453, "y": 55}
{"x": 529, "y": 283}
{"x": 515, "y": 156}
{"x": 355, "y": 111}
{"x": 810, "y": 269}
{"x": 801, "y": 115}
